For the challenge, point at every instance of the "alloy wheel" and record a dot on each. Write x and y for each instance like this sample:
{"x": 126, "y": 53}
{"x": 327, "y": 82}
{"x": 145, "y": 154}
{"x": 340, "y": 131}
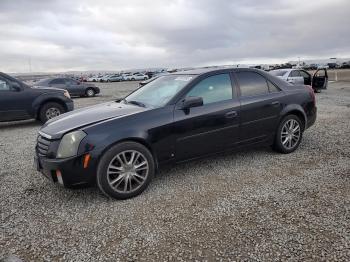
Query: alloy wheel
{"x": 290, "y": 134}
{"x": 127, "y": 171}
{"x": 90, "y": 92}
{"x": 52, "y": 112}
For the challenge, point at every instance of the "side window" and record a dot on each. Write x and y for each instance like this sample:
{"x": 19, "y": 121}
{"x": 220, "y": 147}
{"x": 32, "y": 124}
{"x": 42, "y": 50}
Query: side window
{"x": 57, "y": 81}
{"x": 213, "y": 89}
{"x": 304, "y": 74}
{"x": 4, "y": 85}
{"x": 321, "y": 73}
{"x": 294, "y": 73}
{"x": 252, "y": 84}
{"x": 70, "y": 82}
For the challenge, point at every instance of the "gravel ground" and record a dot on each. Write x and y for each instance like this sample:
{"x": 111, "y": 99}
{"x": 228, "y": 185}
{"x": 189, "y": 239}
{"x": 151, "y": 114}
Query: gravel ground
{"x": 254, "y": 205}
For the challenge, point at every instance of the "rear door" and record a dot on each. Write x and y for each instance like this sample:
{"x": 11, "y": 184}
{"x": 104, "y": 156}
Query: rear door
{"x": 74, "y": 87}
{"x": 295, "y": 78}
{"x": 212, "y": 127}
{"x": 58, "y": 83}
{"x": 260, "y": 107}
{"x": 320, "y": 79}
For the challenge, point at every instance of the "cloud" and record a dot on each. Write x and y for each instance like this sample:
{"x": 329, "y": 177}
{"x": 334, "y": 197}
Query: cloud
{"x": 110, "y": 35}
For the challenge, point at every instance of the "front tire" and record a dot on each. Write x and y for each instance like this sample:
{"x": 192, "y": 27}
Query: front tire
{"x": 289, "y": 134}
{"x": 125, "y": 170}
{"x": 50, "y": 110}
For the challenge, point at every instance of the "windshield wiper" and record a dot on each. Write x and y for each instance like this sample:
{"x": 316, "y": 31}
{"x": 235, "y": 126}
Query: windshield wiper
{"x": 135, "y": 103}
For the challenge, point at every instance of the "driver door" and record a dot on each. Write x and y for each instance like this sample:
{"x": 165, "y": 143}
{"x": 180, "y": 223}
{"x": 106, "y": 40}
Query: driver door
{"x": 15, "y": 102}
{"x": 320, "y": 79}
{"x": 212, "y": 127}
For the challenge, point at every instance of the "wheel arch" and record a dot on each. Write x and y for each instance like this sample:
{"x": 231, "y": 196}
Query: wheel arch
{"x": 295, "y": 110}
{"x": 139, "y": 140}
{"x": 39, "y": 104}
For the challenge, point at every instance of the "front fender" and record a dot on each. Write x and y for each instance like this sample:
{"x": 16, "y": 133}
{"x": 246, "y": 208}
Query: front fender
{"x": 47, "y": 97}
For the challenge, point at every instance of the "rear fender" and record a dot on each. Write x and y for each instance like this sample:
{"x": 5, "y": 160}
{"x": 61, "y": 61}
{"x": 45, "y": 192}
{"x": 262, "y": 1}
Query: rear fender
{"x": 294, "y": 109}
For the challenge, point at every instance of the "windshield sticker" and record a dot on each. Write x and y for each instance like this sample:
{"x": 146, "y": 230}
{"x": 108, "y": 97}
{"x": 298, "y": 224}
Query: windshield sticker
{"x": 183, "y": 78}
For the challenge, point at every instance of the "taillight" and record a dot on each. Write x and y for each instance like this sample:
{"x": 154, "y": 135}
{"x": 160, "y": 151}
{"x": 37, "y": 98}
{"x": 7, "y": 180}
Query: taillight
{"x": 312, "y": 94}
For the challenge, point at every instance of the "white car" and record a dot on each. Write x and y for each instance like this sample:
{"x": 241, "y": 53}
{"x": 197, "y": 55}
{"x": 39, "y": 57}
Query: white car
{"x": 318, "y": 81}
{"x": 138, "y": 76}
{"x": 95, "y": 79}
{"x": 126, "y": 77}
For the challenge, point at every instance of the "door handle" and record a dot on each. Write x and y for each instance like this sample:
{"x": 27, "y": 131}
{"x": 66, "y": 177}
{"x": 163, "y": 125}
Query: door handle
{"x": 231, "y": 114}
{"x": 275, "y": 103}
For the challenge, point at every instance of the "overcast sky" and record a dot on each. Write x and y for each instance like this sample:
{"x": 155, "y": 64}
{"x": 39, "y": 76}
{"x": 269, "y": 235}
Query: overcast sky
{"x": 111, "y": 35}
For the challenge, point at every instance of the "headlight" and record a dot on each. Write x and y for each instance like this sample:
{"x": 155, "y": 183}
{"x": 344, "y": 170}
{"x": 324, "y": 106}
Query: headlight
{"x": 66, "y": 94}
{"x": 69, "y": 144}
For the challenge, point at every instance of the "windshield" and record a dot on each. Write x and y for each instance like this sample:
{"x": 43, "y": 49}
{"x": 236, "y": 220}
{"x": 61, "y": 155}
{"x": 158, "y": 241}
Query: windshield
{"x": 278, "y": 72}
{"x": 159, "y": 92}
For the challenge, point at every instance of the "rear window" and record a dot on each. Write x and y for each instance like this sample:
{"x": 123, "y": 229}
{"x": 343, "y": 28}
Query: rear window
{"x": 278, "y": 72}
{"x": 42, "y": 82}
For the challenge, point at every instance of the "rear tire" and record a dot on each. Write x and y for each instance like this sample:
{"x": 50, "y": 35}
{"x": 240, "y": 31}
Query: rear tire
{"x": 125, "y": 170}
{"x": 50, "y": 110}
{"x": 90, "y": 92}
{"x": 289, "y": 134}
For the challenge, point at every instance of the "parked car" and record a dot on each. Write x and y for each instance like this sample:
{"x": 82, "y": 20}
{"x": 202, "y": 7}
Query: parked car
{"x": 178, "y": 117}
{"x": 345, "y": 65}
{"x": 138, "y": 76}
{"x": 142, "y": 83}
{"x": 19, "y": 101}
{"x": 104, "y": 78}
{"x": 95, "y": 79}
{"x": 113, "y": 78}
{"x": 126, "y": 76}
{"x": 74, "y": 87}
{"x": 318, "y": 81}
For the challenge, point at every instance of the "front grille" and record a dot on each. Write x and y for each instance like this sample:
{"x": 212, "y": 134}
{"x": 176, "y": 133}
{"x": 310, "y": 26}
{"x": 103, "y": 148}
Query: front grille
{"x": 42, "y": 145}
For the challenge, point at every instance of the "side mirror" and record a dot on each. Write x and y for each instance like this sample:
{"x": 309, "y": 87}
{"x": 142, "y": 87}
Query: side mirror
{"x": 191, "y": 101}
{"x": 16, "y": 86}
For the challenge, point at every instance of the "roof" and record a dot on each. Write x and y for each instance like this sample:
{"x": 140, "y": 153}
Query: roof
{"x": 201, "y": 71}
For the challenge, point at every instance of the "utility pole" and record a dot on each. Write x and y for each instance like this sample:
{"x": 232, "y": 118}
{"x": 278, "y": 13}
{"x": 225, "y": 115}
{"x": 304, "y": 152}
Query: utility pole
{"x": 30, "y": 64}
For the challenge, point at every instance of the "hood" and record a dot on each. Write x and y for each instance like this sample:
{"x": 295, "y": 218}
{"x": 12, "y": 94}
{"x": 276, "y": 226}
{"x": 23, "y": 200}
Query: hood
{"x": 60, "y": 125}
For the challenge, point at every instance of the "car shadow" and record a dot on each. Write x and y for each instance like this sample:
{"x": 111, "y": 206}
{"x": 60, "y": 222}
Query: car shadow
{"x": 91, "y": 195}
{"x": 19, "y": 124}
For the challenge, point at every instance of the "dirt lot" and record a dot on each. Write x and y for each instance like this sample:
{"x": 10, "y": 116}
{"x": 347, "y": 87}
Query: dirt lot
{"x": 252, "y": 205}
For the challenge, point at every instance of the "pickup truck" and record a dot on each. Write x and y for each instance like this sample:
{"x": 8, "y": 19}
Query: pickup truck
{"x": 19, "y": 101}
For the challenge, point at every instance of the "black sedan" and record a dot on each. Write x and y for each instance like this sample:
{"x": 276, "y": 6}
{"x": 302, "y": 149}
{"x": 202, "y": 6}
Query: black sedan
{"x": 74, "y": 87}
{"x": 175, "y": 118}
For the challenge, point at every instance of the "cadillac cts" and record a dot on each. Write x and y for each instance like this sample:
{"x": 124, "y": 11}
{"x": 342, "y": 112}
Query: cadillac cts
{"x": 178, "y": 117}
